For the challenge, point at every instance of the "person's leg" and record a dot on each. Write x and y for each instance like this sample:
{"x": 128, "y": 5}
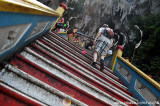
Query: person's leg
{"x": 103, "y": 54}
{"x": 97, "y": 48}
{"x": 102, "y": 57}
{"x": 72, "y": 39}
{"x": 95, "y": 56}
{"x": 102, "y": 63}
{"x": 69, "y": 38}
{"x": 94, "y": 59}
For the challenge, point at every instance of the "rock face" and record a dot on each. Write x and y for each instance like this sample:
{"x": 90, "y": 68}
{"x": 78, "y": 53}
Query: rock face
{"x": 52, "y": 3}
{"x": 115, "y": 13}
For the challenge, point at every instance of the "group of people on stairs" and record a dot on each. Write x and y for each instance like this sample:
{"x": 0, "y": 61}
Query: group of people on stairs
{"x": 102, "y": 42}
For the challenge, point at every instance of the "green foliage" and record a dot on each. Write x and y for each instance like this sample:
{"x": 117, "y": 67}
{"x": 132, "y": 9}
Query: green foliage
{"x": 147, "y": 56}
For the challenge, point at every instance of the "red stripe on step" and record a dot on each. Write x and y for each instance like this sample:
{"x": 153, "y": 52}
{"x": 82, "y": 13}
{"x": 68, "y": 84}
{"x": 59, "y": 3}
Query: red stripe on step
{"x": 58, "y": 83}
{"x": 73, "y": 52}
{"x": 72, "y": 59}
{"x": 70, "y": 56}
{"x": 76, "y": 47}
{"x": 77, "y": 73}
{"x": 14, "y": 99}
{"x": 78, "y": 56}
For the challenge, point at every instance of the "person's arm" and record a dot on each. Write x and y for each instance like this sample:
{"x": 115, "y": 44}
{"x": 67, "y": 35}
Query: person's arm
{"x": 98, "y": 34}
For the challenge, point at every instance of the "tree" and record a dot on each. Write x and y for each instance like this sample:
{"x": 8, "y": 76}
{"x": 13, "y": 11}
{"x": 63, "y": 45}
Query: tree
{"x": 147, "y": 56}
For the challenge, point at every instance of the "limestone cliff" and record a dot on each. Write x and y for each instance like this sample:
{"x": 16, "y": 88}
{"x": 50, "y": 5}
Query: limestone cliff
{"x": 116, "y": 13}
{"x": 95, "y": 13}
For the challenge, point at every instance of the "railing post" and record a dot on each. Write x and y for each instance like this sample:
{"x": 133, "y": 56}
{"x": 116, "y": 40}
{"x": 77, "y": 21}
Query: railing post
{"x": 117, "y": 52}
{"x": 62, "y": 7}
{"x": 127, "y": 59}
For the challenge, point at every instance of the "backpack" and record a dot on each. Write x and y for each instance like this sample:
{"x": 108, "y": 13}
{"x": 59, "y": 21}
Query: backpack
{"x": 108, "y": 33}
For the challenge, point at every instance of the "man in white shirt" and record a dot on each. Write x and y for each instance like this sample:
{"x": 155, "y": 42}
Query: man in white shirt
{"x": 102, "y": 42}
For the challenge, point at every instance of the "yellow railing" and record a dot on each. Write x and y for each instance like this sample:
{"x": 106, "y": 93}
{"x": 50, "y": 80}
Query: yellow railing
{"x": 27, "y": 6}
{"x": 62, "y": 32}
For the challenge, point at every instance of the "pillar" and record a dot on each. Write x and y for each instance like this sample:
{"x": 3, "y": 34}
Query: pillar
{"x": 62, "y": 7}
{"x": 117, "y": 52}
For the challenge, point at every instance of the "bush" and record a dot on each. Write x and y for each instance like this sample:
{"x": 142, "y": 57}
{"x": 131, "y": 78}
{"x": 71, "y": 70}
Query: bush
{"x": 147, "y": 56}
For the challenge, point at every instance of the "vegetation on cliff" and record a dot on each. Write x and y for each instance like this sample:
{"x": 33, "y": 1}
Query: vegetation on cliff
{"x": 147, "y": 56}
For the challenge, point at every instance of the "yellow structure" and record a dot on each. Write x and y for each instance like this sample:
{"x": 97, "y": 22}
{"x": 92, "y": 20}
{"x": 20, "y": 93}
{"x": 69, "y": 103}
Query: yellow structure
{"x": 27, "y": 6}
{"x": 60, "y": 10}
{"x": 127, "y": 59}
{"x": 117, "y": 52}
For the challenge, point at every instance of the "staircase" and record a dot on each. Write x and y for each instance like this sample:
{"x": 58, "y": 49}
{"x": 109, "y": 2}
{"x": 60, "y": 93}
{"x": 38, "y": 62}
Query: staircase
{"x": 52, "y": 71}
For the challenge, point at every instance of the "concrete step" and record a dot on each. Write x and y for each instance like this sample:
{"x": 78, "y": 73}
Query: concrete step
{"x": 60, "y": 45}
{"x": 34, "y": 88}
{"x": 76, "y": 48}
{"x": 77, "y": 65}
{"x": 75, "y": 56}
{"x": 47, "y": 77}
{"x": 68, "y": 48}
{"x": 67, "y": 76}
{"x": 52, "y": 71}
{"x": 10, "y": 96}
{"x": 32, "y": 56}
